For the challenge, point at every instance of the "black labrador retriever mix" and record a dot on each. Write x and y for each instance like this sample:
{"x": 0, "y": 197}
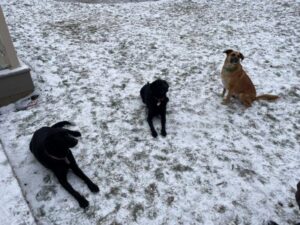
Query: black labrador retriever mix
{"x": 154, "y": 96}
{"x": 51, "y": 146}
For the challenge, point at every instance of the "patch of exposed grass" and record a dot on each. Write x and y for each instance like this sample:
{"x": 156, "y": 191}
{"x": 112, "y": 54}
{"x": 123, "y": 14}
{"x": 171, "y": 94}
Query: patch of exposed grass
{"x": 181, "y": 168}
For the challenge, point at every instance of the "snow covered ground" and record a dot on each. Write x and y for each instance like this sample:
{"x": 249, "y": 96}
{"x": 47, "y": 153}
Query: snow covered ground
{"x": 105, "y": 1}
{"x": 218, "y": 165}
{"x": 13, "y": 208}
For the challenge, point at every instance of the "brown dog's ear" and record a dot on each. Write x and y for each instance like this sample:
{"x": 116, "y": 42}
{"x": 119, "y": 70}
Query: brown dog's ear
{"x": 228, "y": 51}
{"x": 241, "y": 56}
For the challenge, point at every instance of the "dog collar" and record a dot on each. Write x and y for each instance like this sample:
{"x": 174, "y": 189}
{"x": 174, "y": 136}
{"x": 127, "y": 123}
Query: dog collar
{"x": 229, "y": 69}
{"x": 57, "y": 158}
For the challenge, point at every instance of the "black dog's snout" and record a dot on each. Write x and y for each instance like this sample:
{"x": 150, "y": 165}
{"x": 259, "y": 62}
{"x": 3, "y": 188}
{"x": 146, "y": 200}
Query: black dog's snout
{"x": 72, "y": 142}
{"x": 75, "y": 142}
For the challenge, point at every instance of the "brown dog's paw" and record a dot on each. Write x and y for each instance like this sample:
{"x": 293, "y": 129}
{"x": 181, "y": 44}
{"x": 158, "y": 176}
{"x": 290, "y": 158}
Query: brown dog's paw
{"x": 225, "y": 102}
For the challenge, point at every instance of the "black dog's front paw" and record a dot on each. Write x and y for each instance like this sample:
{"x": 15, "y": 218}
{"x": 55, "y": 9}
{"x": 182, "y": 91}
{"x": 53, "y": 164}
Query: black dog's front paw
{"x": 83, "y": 203}
{"x": 154, "y": 134}
{"x": 163, "y": 133}
{"x": 93, "y": 187}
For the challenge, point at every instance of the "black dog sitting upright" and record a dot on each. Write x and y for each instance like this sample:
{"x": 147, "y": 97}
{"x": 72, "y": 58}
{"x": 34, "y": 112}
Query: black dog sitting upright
{"x": 154, "y": 96}
{"x": 51, "y": 146}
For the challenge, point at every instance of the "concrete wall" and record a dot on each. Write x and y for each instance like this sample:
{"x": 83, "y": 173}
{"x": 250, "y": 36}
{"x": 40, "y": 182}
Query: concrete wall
{"x": 15, "y": 81}
{"x": 11, "y": 56}
{"x": 15, "y": 84}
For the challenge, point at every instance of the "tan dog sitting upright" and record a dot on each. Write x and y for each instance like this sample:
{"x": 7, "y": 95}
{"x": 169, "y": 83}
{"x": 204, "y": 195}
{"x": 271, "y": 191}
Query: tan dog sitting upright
{"x": 237, "y": 83}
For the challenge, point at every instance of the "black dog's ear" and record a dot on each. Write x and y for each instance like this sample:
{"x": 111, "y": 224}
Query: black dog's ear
{"x": 241, "y": 56}
{"x": 228, "y": 51}
{"x": 62, "y": 140}
{"x": 165, "y": 85}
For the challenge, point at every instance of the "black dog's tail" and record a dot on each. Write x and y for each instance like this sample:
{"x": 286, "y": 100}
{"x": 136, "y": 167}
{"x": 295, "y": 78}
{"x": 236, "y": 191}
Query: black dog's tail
{"x": 61, "y": 124}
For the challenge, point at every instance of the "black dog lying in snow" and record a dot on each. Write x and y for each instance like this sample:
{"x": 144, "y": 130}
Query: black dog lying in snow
{"x": 51, "y": 146}
{"x": 154, "y": 96}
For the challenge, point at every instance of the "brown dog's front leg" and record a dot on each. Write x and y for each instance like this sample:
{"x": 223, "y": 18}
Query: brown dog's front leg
{"x": 227, "y": 98}
{"x": 224, "y": 91}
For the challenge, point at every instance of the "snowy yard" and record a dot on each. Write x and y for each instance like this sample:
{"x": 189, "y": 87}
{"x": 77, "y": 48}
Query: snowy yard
{"x": 219, "y": 165}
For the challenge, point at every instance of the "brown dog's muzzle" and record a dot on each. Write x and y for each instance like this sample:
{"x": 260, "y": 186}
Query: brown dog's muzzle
{"x": 234, "y": 60}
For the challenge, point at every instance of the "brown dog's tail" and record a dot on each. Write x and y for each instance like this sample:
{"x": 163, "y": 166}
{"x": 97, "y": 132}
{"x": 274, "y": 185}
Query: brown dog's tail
{"x": 267, "y": 97}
